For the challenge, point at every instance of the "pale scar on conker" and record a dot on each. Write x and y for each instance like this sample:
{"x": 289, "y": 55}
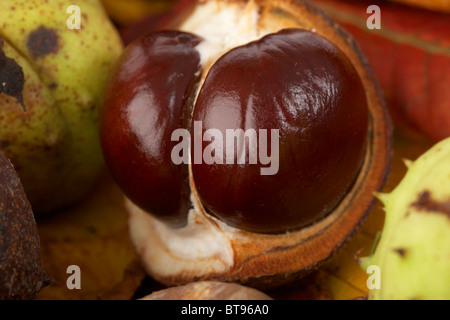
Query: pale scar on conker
{"x": 294, "y": 80}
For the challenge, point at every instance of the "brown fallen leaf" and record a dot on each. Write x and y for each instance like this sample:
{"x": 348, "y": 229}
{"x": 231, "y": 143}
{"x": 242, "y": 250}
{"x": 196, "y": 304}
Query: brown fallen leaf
{"x": 92, "y": 235}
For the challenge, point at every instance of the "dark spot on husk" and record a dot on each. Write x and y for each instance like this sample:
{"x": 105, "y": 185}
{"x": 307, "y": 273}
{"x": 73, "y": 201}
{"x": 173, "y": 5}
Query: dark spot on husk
{"x": 426, "y": 203}
{"x": 401, "y": 252}
{"x": 12, "y": 79}
{"x": 42, "y": 41}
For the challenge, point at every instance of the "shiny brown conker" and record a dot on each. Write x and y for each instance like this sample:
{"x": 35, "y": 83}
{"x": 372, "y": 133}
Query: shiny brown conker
{"x": 149, "y": 97}
{"x": 298, "y": 82}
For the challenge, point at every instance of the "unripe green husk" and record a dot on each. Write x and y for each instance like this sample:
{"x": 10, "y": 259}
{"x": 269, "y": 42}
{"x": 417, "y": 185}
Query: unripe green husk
{"x": 414, "y": 250}
{"x": 54, "y": 145}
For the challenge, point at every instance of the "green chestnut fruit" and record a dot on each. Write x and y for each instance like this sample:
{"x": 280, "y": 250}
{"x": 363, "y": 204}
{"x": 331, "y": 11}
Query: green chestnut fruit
{"x": 55, "y": 72}
{"x": 413, "y": 255}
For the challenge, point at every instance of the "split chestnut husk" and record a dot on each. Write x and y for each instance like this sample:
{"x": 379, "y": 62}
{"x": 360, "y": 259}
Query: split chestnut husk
{"x": 245, "y": 65}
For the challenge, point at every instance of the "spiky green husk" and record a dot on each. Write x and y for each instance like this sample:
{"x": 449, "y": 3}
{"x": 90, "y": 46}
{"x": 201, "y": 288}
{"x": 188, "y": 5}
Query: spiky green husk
{"x": 414, "y": 250}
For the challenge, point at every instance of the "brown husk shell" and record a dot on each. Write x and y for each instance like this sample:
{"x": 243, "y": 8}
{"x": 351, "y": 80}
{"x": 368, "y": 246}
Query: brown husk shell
{"x": 22, "y": 274}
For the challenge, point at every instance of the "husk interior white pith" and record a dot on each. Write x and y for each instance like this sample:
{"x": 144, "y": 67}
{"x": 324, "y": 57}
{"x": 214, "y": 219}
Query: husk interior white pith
{"x": 223, "y": 27}
{"x": 198, "y": 247}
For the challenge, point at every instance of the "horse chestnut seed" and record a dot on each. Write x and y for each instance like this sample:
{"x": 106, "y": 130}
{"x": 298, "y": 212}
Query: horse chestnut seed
{"x": 148, "y": 101}
{"x": 248, "y": 142}
{"x": 299, "y": 83}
